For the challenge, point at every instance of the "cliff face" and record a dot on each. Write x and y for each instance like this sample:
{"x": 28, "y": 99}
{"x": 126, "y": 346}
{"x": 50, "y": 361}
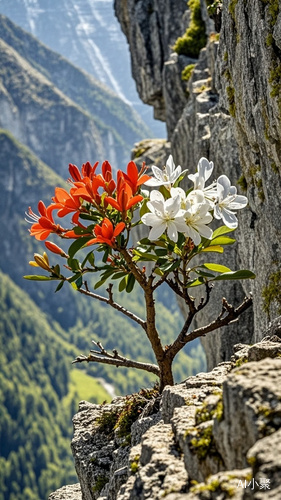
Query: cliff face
{"x": 215, "y": 436}
{"x": 229, "y": 111}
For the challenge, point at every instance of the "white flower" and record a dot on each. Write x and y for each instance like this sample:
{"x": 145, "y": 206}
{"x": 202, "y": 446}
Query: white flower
{"x": 196, "y": 217}
{"x": 228, "y": 200}
{"x": 165, "y": 214}
{"x": 204, "y": 171}
{"x": 167, "y": 176}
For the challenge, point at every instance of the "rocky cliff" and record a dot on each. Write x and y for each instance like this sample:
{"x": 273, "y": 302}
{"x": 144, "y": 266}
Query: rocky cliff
{"x": 215, "y": 436}
{"x": 224, "y": 105}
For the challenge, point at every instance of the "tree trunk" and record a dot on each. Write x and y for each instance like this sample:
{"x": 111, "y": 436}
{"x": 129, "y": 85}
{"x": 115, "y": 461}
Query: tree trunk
{"x": 166, "y": 375}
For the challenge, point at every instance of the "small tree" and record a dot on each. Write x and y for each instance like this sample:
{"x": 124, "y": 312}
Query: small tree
{"x": 105, "y": 213}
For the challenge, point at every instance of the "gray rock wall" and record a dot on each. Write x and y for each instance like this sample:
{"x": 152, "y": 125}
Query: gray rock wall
{"x": 215, "y": 436}
{"x": 228, "y": 111}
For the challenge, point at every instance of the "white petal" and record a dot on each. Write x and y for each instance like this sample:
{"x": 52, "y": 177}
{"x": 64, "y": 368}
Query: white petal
{"x": 172, "y": 231}
{"x": 194, "y": 235}
{"x": 151, "y": 219}
{"x": 205, "y": 168}
{"x": 239, "y": 202}
{"x": 158, "y": 173}
{"x": 224, "y": 182}
{"x": 172, "y": 206}
{"x": 156, "y": 196}
{"x": 229, "y": 218}
{"x": 217, "y": 212}
{"x": 170, "y": 166}
{"x": 204, "y": 231}
{"x": 153, "y": 182}
{"x": 157, "y": 231}
{"x": 175, "y": 174}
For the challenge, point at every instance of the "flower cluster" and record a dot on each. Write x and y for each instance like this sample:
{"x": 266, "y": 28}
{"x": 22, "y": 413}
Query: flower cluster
{"x": 96, "y": 197}
{"x": 190, "y": 213}
{"x": 104, "y": 210}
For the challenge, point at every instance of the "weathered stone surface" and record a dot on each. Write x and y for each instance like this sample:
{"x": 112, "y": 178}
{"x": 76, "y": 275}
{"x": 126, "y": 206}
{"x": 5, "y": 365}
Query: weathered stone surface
{"x": 151, "y": 34}
{"x": 72, "y": 492}
{"x": 252, "y": 394}
{"x": 265, "y": 456}
{"x": 231, "y": 117}
{"x": 93, "y": 449}
{"x": 160, "y": 471}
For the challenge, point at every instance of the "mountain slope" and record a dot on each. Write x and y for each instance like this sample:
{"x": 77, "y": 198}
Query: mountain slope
{"x": 79, "y": 86}
{"x": 87, "y": 33}
{"x": 34, "y": 377}
{"x": 39, "y": 114}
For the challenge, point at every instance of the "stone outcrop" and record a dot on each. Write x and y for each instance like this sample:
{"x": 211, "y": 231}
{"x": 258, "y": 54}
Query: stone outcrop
{"x": 215, "y": 436}
{"x": 229, "y": 112}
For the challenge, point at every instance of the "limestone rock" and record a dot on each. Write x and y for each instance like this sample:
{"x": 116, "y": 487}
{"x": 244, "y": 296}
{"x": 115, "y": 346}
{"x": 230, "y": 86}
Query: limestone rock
{"x": 72, "y": 492}
{"x": 251, "y": 393}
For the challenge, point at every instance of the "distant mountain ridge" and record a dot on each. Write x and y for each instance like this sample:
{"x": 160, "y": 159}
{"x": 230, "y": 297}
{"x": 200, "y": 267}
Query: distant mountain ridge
{"x": 38, "y": 89}
{"x": 87, "y": 33}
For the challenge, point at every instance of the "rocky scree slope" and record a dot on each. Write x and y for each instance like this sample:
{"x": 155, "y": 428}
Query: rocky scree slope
{"x": 226, "y": 108}
{"x": 215, "y": 436}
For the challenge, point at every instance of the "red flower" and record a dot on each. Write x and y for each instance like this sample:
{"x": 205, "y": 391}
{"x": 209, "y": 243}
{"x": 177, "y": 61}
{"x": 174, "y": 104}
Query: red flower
{"x": 86, "y": 169}
{"x": 55, "y": 248}
{"x": 67, "y": 202}
{"x": 45, "y": 224}
{"x": 134, "y": 177}
{"x": 105, "y": 232}
{"x": 125, "y": 199}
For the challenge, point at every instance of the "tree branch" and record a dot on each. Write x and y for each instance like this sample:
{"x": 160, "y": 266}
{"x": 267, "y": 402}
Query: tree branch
{"x": 140, "y": 277}
{"x": 221, "y": 320}
{"x": 112, "y": 303}
{"x": 104, "y": 357}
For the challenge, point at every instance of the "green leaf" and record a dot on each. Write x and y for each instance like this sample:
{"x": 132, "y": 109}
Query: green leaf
{"x": 144, "y": 209}
{"x": 181, "y": 177}
{"x": 90, "y": 258}
{"x": 243, "y": 274}
{"x": 123, "y": 284}
{"x": 121, "y": 274}
{"x": 197, "y": 282}
{"x": 161, "y": 252}
{"x": 80, "y": 230}
{"x": 170, "y": 266}
{"x": 216, "y": 248}
{"x": 60, "y": 285}
{"x": 36, "y": 277}
{"x": 76, "y": 245}
{"x": 56, "y": 270}
{"x": 130, "y": 283}
{"x": 144, "y": 257}
{"x": 79, "y": 282}
{"x": 158, "y": 271}
{"x": 99, "y": 283}
{"x": 92, "y": 217}
{"x": 204, "y": 274}
{"x": 74, "y": 264}
{"x": 222, "y": 240}
{"x": 216, "y": 267}
{"x": 74, "y": 277}
{"x": 222, "y": 230}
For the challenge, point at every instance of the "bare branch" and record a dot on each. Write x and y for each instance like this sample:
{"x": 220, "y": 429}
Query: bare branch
{"x": 112, "y": 303}
{"x": 228, "y": 315}
{"x": 223, "y": 319}
{"x": 115, "y": 359}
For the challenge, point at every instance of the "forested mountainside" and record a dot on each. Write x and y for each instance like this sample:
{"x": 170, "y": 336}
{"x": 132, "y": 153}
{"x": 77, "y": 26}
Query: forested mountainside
{"x": 87, "y": 33}
{"x": 45, "y": 99}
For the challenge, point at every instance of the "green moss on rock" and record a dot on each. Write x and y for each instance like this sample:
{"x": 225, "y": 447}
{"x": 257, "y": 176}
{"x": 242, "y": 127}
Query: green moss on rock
{"x": 194, "y": 38}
